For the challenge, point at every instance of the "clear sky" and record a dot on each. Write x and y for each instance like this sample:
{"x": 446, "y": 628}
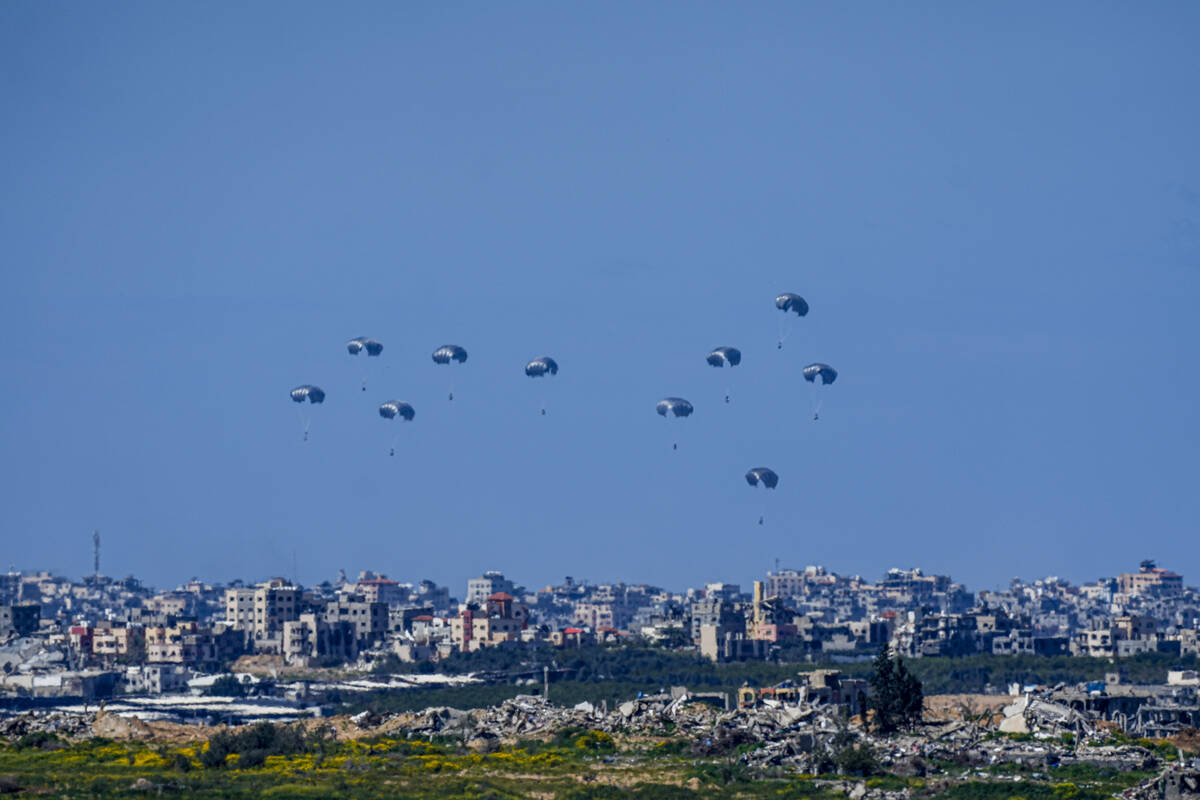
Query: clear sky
{"x": 992, "y": 208}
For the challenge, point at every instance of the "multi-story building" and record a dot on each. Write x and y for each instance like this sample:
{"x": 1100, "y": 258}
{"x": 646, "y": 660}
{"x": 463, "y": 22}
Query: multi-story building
{"x": 369, "y": 619}
{"x": 502, "y": 620}
{"x": 490, "y": 583}
{"x": 239, "y": 608}
{"x": 118, "y": 641}
{"x": 380, "y": 590}
{"x": 311, "y": 636}
{"x": 1150, "y": 579}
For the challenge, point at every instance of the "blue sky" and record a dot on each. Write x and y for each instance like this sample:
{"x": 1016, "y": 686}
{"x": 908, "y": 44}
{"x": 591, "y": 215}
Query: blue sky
{"x": 993, "y": 210}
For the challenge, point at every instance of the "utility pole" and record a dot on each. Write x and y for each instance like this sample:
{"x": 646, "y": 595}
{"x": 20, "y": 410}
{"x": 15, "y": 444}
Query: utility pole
{"x": 546, "y": 683}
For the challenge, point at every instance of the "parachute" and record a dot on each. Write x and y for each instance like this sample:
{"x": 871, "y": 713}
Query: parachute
{"x": 392, "y": 409}
{"x": 540, "y": 367}
{"x": 789, "y": 304}
{"x": 675, "y": 406}
{"x": 372, "y": 346}
{"x": 448, "y": 353}
{"x": 357, "y": 345}
{"x": 313, "y": 394}
{"x": 763, "y": 475}
{"x": 724, "y": 357}
{"x": 827, "y": 374}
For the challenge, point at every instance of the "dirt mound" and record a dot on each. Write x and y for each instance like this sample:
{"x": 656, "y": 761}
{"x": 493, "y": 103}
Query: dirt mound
{"x": 112, "y": 726}
{"x": 965, "y": 707}
{"x": 261, "y": 665}
{"x": 1187, "y": 740}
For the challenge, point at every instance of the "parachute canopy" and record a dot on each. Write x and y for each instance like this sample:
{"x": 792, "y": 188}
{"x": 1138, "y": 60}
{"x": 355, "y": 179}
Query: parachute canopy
{"x": 356, "y": 346}
{"x": 541, "y": 366}
{"x": 763, "y": 475}
{"x": 791, "y": 302}
{"x": 676, "y": 406}
{"x": 724, "y": 356}
{"x": 313, "y": 394}
{"x": 449, "y": 352}
{"x": 827, "y": 373}
{"x": 395, "y": 408}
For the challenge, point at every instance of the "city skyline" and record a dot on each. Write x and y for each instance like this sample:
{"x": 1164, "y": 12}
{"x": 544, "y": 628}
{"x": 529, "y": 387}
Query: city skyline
{"x": 698, "y": 583}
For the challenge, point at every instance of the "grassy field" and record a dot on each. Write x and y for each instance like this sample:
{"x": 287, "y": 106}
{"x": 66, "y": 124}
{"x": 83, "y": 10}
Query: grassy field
{"x": 277, "y": 762}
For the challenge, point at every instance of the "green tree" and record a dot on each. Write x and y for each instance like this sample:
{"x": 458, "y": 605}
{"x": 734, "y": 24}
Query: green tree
{"x": 226, "y": 686}
{"x": 912, "y": 695}
{"x": 884, "y": 694}
{"x": 897, "y": 696}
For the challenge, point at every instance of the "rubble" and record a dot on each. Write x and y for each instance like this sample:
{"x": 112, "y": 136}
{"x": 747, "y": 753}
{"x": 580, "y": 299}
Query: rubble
{"x": 69, "y": 726}
{"x": 1028, "y": 714}
{"x": 1173, "y": 783}
{"x": 801, "y": 738}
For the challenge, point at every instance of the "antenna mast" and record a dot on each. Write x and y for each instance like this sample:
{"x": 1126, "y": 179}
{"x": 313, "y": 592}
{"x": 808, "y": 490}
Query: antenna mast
{"x": 96, "y": 554}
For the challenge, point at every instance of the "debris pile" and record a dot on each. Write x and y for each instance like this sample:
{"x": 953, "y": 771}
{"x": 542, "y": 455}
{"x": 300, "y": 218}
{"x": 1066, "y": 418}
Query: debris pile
{"x": 69, "y": 726}
{"x": 811, "y": 738}
{"x": 1029, "y": 714}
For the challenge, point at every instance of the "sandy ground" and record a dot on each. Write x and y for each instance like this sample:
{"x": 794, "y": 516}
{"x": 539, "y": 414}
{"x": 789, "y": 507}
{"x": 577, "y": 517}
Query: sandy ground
{"x": 979, "y": 707}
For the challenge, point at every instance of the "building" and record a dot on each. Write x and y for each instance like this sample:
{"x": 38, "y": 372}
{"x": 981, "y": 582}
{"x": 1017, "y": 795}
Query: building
{"x": 481, "y": 588}
{"x": 118, "y": 641}
{"x": 156, "y": 679}
{"x": 239, "y": 609}
{"x": 1150, "y": 579}
{"x": 502, "y": 620}
{"x": 314, "y": 637}
{"x": 380, "y": 590}
{"x": 259, "y": 613}
{"x": 369, "y": 619}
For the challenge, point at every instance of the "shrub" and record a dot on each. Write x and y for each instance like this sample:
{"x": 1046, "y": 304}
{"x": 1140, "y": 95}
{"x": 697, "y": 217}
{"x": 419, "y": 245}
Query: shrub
{"x": 595, "y": 742}
{"x": 253, "y": 745}
{"x": 40, "y": 740}
{"x": 859, "y": 760}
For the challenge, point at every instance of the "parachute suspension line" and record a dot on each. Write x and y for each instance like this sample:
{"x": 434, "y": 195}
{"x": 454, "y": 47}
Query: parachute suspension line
{"x": 304, "y": 422}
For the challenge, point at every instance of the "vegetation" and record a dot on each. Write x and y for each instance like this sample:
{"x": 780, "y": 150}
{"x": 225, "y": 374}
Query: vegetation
{"x": 227, "y": 686}
{"x": 290, "y": 762}
{"x": 619, "y": 672}
{"x": 896, "y": 695}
